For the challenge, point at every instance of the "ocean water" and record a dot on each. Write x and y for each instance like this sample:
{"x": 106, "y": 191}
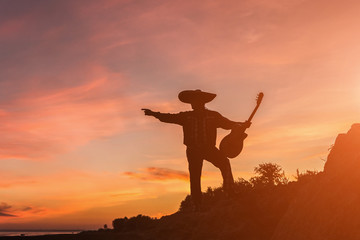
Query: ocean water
{"x": 35, "y": 233}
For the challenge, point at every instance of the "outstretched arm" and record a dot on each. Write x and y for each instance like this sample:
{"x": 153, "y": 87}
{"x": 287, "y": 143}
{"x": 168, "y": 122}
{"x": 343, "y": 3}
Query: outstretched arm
{"x": 228, "y": 124}
{"x": 164, "y": 117}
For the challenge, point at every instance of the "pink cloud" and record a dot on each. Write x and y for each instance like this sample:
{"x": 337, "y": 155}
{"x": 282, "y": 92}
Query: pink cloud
{"x": 41, "y": 123}
{"x": 13, "y": 27}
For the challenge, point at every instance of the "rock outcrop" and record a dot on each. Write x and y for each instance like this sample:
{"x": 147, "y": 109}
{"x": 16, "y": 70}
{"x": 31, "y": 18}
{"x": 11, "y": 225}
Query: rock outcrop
{"x": 344, "y": 158}
{"x": 328, "y": 207}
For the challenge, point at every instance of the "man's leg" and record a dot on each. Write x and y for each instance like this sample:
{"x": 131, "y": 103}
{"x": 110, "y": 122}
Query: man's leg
{"x": 195, "y": 160}
{"x": 214, "y": 156}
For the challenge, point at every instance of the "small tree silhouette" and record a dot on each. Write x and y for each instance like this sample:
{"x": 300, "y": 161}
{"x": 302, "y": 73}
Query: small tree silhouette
{"x": 270, "y": 174}
{"x": 119, "y": 224}
{"x": 140, "y": 222}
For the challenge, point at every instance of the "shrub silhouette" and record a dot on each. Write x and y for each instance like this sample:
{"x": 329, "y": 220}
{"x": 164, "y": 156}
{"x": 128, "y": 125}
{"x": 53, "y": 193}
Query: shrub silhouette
{"x": 270, "y": 174}
{"x": 140, "y": 222}
{"x": 119, "y": 224}
{"x": 305, "y": 176}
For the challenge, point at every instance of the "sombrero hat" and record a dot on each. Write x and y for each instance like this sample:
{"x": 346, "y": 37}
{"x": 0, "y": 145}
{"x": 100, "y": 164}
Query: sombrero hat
{"x": 192, "y": 96}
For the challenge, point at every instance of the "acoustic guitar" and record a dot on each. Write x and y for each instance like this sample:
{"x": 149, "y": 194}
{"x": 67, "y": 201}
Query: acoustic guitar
{"x": 232, "y": 144}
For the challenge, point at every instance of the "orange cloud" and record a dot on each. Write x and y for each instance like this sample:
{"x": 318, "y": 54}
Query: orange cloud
{"x": 5, "y": 210}
{"x": 8, "y": 184}
{"x": 15, "y": 213}
{"x": 159, "y": 174}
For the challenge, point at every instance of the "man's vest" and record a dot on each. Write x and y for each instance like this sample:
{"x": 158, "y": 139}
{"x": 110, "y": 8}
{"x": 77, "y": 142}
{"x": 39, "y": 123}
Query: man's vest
{"x": 199, "y": 126}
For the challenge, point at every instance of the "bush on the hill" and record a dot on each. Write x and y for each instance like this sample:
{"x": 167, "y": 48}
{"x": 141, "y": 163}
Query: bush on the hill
{"x": 305, "y": 176}
{"x": 269, "y": 174}
{"x": 140, "y": 222}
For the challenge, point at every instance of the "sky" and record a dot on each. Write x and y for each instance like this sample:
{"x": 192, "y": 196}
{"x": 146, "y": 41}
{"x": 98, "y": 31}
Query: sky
{"x": 76, "y": 151}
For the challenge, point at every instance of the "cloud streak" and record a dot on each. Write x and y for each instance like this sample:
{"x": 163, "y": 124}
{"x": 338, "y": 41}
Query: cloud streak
{"x": 5, "y": 210}
{"x": 158, "y": 174}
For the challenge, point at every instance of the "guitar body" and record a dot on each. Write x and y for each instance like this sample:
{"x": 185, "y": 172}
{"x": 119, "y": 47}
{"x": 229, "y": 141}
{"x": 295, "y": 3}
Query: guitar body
{"x": 233, "y": 143}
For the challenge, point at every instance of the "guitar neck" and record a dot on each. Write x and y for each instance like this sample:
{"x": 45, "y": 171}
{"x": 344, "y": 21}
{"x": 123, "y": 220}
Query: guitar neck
{"x": 253, "y": 113}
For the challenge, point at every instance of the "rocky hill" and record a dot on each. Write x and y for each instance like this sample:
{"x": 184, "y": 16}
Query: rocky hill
{"x": 329, "y": 207}
{"x": 252, "y": 214}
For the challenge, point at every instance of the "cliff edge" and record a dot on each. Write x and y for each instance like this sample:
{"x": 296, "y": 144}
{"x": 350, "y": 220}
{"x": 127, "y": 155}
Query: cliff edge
{"x": 328, "y": 207}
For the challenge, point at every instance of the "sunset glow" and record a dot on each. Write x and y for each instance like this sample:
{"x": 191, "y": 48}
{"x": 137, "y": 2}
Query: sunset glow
{"x": 76, "y": 151}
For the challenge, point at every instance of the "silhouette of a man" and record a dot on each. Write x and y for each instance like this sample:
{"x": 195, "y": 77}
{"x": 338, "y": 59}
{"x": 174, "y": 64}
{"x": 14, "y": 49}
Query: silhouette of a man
{"x": 199, "y": 127}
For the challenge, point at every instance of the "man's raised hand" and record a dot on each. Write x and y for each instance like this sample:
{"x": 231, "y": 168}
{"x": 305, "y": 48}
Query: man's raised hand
{"x": 247, "y": 124}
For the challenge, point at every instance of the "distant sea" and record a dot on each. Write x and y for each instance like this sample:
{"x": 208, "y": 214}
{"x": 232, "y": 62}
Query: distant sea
{"x": 4, "y": 233}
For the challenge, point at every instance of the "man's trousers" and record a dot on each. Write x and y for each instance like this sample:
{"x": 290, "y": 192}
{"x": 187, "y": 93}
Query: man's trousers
{"x": 195, "y": 158}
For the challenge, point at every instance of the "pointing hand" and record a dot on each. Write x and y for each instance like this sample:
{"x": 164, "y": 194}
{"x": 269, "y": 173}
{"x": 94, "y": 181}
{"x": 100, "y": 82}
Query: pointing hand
{"x": 148, "y": 112}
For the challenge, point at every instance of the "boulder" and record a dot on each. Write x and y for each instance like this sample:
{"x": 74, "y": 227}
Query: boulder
{"x": 328, "y": 208}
